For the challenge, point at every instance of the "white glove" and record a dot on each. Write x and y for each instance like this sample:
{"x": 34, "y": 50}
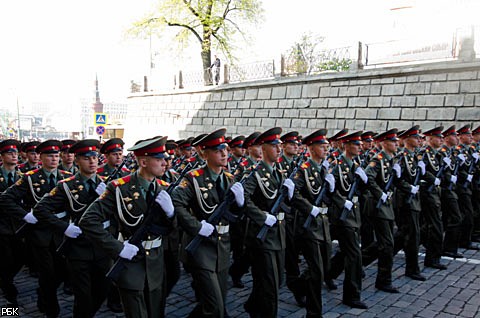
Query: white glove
{"x": 165, "y": 202}
{"x": 270, "y": 220}
{"x": 470, "y": 177}
{"x": 437, "y": 182}
{"x": 290, "y": 186}
{"x": 447, "y": 161}
{"x": 361, "y": 173}
{"x": 421, "y": 164}
{"x": 72, "y": 231}
{"x": 462, "y": 158}
{"x": 326, "y": 164}
{"x": 30, "y": 218}
{"x": 476, "y": 156}
{"x": 315, "y": 211}
{"x": 129, "y": 251}
{"x": 453, "y": 179}
{"x": 237, "y": 189}
{"x": 398, "y": 170}
{"x": 330, "y": 179}
{"x": 384, "y": 197}
{"x": 206, "y": 229}
{"x": 414, "y": 189}
{"x": 348, "y": 205}
{"x": 101, "y": 188}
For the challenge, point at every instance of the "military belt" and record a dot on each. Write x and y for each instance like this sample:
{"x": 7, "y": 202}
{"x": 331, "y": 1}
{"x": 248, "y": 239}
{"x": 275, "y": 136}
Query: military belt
{"x": 148, "y": 244}
{"x": 281, "y": 216}
{"x": 222, "y": 229}
{"x": 355, "y": 199}
{"x": 61, "y": 215}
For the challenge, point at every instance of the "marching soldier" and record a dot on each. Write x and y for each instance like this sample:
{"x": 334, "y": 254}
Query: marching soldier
{"x": 18, "y": 201}
{"x": 87, "y": 265}
{"x": 170, "y": 175}
{"x": 379, "y": 172}
{"x": 33, "y": 157}
{"x": 237, "y": 153}
{"x": 365, "y": 198}
{"x": 431, "y": 200}
{"x": 314, "y": 242}
{"x": 408, "y": 204}
{"x": 253, "y": 155}
{"x": 199, "y": 159}
{"x": 335, "y": 144}
{"x": 289, "y": 152}
{"x": 67, "y": 158}
{"x": 347, "y": 232}
{"x": 126, "y": 205}
{"x": 267, "y": 256}
{"x": 11, "y": 246}
{"x": 113, "y": 152}
{"x": 476, "y": 186}
{"x": 195, "y": 200}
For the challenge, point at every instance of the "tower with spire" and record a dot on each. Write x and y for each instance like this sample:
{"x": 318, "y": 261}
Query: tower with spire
{"x": 97, "y": 106}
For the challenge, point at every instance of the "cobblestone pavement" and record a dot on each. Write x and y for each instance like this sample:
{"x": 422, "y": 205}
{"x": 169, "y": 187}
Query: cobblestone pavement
{"x": 454, "y": 292}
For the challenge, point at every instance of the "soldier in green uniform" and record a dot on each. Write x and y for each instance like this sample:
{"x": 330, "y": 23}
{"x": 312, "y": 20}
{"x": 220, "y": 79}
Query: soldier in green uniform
{"x": 451, "y": 215}
{"x": 314, "y": 243}
{"x": 365, "y": 200}
{"x": 170, "y": 175}
{"x": 432, "y": 232}
{"x": 237, "y": 153}
{"x": 253, "y": 153}
{"x": 113, "y": 152}
{"x": 12, "y": 247}
{"x": 87, "y": 265}
{"x": 476, "y": 186}
{"x": 201, "y": 191}
{"x": 125, "y": 205}
{"x": 347, "y": 232}
{"x": 407, "y": 199}
{"x": 33, "y": 157}
{"x": 267, "y": 257}
{"x": 379, "y": 172}
{"x": 67, "y": 158}
{"x": 18, "y": 201}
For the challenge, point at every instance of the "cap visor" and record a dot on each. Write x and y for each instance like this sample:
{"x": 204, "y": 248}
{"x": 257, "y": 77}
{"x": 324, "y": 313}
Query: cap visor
{"x": 160, "y": 155}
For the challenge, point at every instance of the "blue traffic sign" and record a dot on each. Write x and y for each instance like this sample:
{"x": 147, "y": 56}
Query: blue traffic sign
{"x": 100, "y": 130}
{"x": 100, "y": 119}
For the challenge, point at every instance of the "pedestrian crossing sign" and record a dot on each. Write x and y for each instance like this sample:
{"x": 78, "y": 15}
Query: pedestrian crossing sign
{"x": 100, "y": 119}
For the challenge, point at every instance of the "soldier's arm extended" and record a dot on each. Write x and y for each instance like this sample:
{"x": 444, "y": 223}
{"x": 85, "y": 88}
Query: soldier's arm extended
{"x": 10, "y": 199}
{"x": 182, "y": 198}
{"x": 92, "y": 223}
{"x": 52, "y": 203}
{"x": 401, "y": 183}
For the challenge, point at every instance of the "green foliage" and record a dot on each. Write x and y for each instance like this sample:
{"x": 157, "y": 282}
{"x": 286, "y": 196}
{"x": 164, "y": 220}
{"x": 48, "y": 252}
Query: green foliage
{"x": 335, "y": 64}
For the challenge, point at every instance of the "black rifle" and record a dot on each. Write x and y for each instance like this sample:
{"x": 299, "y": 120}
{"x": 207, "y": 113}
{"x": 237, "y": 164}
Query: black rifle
{"x": 126, "y": 159}
{"x": 221, "y": 211}
{"x": 438, "y": 175}
{"x": 318, "y": 202}
{"x": 389, "y": 182}
{"x": 279, "y": 202}
{"x": 417, "y": 179}
{"x": 455, "y": 172}
{"x": 470, "y": 171}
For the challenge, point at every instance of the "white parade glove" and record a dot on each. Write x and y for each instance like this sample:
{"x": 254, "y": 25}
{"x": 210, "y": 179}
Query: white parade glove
{"x": 330, "y": 179}
{"x": 101, "y": 188}
{"x": 206, "y": 229}
{"x": 315, "y": 211}
{"x": 165, "y": 202}
{"x": 361, "y": 173}
{"x": 470, "y": 177}
{"x": 129, "y": 251}
{"x": 237, "y": 189}
{"x": 421, "y": 164}
{"x": 290, "y": 186}
{"x": 476, "y": 156}
{"x": 72, "y": 231}
{"x": 30, "y": 218}
{"x": 453, "y": 179}
{"x": 270, "y": 220}
{"x": 398, "y": 170}
{"x": 437, "y": 181}
{"x": 326, "y": 164}
{"x": 462, "y": 158}
{"x": 348, "y": 205}
{"x": 447, "y": 161}
{"x": 414, "y": 189}
{"x": 384, "y": 197}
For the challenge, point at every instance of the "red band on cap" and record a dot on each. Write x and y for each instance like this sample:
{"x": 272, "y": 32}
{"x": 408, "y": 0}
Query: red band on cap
{"x": 31, "y": 148}
{"x": 113, "y": 146}
{"x": 49, "y": 148}
{"x": 353, "y": 138}
{"x": 238, "y": 143}
{"x": 149, "y": 151}
{"x": 8, "y": 147}
{"x": 271, "y": 138}
{"x": 213, "y": 142}
{"x": 318, "y": 138}
{"x": 86, "y": 149}
{"x": 291, "y": 138}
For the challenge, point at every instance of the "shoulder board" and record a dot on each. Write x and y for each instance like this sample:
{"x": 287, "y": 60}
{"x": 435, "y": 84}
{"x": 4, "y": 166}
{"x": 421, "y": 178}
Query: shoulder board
{"x": 65, "y": 172}
{"x": 228, "y": 175}
{"x": 379, "y": 156}
{"x": 305, "y": 165}
{"x": 163, "y": 183}
{"x": 28, "y": 173}
{"x": 125, "y": 169}
{"x": 103, "y": 178}
{"x": 243, "y": 163}
{"x": 67, "y": 179}
{"x": 230, "y": 159}
{"x": 20, "y": 166}
{"x": 196, "y": 173}
{"x": 119, "y": 182}
{"x": 100, "y": 170}
{"x": 280, "y": 159}
{"x": 443, "y": 149}
{"x": 335, "y": 154}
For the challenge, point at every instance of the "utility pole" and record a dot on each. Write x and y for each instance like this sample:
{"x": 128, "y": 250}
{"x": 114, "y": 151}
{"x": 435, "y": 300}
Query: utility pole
{"x": 18, "y": 120}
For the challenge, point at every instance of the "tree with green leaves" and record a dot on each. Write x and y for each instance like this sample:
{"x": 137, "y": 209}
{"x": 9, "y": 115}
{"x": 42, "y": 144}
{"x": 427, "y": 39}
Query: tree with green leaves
{"x": 210, "y": 22}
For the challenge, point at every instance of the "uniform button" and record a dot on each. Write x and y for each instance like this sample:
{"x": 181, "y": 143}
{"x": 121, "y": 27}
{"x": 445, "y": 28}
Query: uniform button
{"x": 147, "y": 253}
{"x": 148, "y": 238}
{"x": 219, "y": 238}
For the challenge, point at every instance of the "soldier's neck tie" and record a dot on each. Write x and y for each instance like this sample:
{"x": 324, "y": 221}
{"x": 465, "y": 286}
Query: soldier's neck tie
{"x": 91, "y": 188}
{"x": 51, "y": 183}
{"x": 10, "y": 179}
{"x": 219, "y": 188}
{"x": 150, "y": 193}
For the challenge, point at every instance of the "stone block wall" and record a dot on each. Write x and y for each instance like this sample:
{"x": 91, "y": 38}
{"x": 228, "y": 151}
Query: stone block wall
{"x": 428, "y": 94}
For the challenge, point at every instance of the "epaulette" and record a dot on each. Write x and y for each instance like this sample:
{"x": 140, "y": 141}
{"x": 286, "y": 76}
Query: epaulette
{"x": 20, "y": 166}
{"x": 379, "y": 156}
{"x": 67, "y": 179}
{"x": 243, "y": 163}
{"x": 121, "y": 181}
{"x": 29, "y": 173}
{"x": 101, "y": 169}
{"x": 280, "y": 160}
{"x": 125, "y": 169}
{"x": 228, "y": 174}
{"x": 65, "y": 172}
{"x": 230, "y": 159}
{"x": 443, "y": 149}
{"x": 163, "y": 183}
{"x": 196, "y": 173}
{"x": 305, "y": 165}
{"x": 103, "y": 178}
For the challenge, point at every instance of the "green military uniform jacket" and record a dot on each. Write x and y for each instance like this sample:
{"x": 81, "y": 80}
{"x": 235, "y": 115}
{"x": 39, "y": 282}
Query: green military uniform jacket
{"x": 70, "y": 195}
{"x": 124, "y": 206}
{"x": 344, "y": 174}
{"x": 243, "y": 167}
{"x": 464, "y": 169}
{"x": 432, "y": 166}
{"x": 20, "y": 198}
{"x": 309, "y": 181}
{"x": 408, "y": 163}
{"x": 261, "y": 192}
{"x": 285, "y": 165}
{"x": 7, "y": 223}
{"x": 449, "y": 170}
{"x": 106, "y": 171}
{"x": 72, "y": 170}
{"x": 195, "y": 199}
